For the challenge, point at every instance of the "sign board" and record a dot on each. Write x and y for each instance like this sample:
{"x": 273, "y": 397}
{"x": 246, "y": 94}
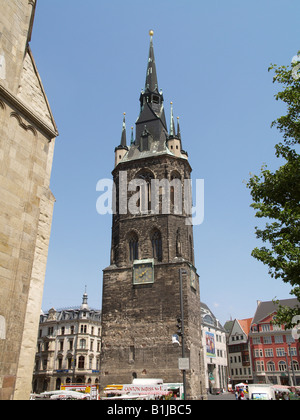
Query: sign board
{"x": 184, "y": 363}
{"x": 144, "y": 389}
{"x": 210, "y": 344}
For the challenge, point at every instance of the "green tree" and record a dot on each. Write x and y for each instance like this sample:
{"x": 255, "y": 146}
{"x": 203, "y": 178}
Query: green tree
{"x": 276, "y": 195}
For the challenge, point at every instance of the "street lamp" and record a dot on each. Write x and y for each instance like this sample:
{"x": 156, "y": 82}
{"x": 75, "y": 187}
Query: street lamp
{"x": 292, "y": 364}
{"x": 287, "y": 368}
{"x": 182, "y": 271}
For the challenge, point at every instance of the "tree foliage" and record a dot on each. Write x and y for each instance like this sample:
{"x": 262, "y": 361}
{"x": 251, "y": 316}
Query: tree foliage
{"x": 276, "y": 195}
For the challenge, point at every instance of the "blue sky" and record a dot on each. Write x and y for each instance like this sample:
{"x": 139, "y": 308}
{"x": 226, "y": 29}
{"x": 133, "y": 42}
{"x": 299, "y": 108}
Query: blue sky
{"x": 212, "y": 61}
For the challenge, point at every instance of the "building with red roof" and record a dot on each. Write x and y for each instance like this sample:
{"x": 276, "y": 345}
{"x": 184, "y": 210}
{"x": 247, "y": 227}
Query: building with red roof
{"x": 274, "y": 350}
{"x": 239, "y": 352}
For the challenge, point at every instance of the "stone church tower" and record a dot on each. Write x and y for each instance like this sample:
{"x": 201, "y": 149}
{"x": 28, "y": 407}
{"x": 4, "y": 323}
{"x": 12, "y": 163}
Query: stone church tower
{"x": 27, "y": 137}
{"x": 152, "y": 240}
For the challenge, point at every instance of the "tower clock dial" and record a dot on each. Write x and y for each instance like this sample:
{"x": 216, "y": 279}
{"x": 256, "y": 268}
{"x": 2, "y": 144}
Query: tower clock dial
{"x": 143, "y": 272}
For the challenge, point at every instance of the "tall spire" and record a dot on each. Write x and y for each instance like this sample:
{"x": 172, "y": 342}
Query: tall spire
{"x": 152, "y": 112}
{"x": 151, "y": 76}
{"x": 123, "y": 138}
{"x": 132, "y": 138}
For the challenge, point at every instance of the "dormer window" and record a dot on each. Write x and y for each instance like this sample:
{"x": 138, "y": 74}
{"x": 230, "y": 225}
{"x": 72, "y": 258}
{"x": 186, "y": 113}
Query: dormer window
{"x": 155, "y": 99}
{"x": 145, "y": 140}
{"x": 208, "y": 319}
{"x": 144, "y": 145}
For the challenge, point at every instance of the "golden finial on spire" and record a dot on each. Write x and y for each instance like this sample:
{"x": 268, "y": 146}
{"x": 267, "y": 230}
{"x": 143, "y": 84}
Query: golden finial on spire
{"x": 151, "y": 32}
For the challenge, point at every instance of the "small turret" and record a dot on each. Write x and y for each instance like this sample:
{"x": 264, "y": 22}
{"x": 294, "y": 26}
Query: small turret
{"x": 174, "y": 140}
{"x": 85, "y": 306}
{"x": 122, "y": 149}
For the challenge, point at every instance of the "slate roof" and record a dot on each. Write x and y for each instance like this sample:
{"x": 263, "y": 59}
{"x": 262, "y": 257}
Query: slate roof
{"x": 151, "y": 127}
{"x": 151, "y": 76}
{"x": 264, "y": 309}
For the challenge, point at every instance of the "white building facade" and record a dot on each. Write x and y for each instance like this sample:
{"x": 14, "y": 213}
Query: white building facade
{"x": 68, "y": 348}
{"x": 215, "y": 351}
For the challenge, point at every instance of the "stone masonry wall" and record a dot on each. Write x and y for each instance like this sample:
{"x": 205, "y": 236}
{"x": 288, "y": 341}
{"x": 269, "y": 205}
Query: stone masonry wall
{"x": 138, "y": 321}
{"x": 27, "y": 138}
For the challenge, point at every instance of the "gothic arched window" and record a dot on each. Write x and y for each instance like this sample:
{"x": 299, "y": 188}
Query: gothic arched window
{"x": 133, "y": 247}
{"x": 144, "y": 202}
{"x": 178, "y": 244}
{"x": 176, "y": 193}
{"x": 157, "y": 245}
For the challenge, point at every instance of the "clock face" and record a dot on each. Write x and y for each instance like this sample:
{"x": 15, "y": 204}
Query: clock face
{"x": 143, "y": 273}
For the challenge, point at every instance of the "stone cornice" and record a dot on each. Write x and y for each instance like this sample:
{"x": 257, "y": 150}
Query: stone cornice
{"x": 27, "y": 112}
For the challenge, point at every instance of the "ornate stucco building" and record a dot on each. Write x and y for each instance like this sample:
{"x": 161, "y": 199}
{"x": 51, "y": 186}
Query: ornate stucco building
{"x": 152, "y": 243}
{"x": 27, "y": 137}
{"x": 215, "y": 351}
{"x": 68, "y": 348}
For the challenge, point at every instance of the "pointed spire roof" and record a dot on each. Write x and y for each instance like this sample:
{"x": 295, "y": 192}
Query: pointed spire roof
{"x": 178, "y": 129}
{"x": 152, "y": 112}
{"x": 151, "y": 134}
{"x": 151, "y": 76}
{"x": 123, "y": 144}
{"x": 123, "y": 137}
